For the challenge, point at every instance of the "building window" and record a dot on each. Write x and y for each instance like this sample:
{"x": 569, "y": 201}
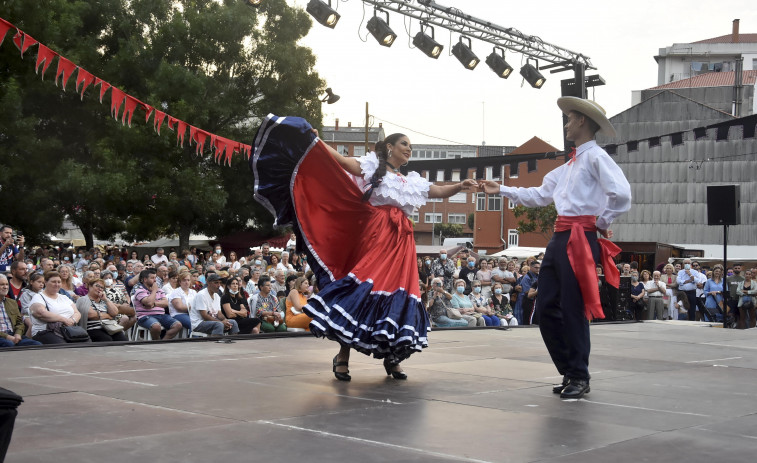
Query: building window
{"x": 455, "y": 175}
{"x": 510, "y": 204}
{"x": 432, "y": 218}
{"x": 456, "y": 218}
{"x": 435, "y": 200}
{"x": 359, "y": 150}
{"x": 495, "y": 202}
{"x": 514, "y": 170}
{"x": 342, "y": 149}
{"x": 481, "y": 201}
{"x": 458, "y": 198}
{"x": 512, "y": 237}
{"x": 440, "y": 176}
{"x": 415, "y": 217}
{"x": 488, "y": 175}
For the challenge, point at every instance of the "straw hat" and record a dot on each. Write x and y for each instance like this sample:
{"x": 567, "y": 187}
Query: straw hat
{"x": 590, "y": 109}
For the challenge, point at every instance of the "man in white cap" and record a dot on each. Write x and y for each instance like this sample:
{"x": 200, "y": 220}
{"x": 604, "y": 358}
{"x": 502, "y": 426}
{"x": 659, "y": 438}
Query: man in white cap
{"x": 589, "y": 192}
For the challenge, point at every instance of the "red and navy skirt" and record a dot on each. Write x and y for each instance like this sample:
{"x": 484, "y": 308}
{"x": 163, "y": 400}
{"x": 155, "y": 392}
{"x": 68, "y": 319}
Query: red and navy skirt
{"x": 363, "y": 256}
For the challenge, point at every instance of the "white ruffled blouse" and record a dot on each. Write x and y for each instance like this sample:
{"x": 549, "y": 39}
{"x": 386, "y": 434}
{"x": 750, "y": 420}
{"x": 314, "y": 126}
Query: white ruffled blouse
{"x": 405, "y": 192}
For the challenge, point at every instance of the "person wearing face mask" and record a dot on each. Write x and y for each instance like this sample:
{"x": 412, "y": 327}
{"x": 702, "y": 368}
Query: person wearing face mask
{"x": 444, "y": 268}
{"x": 463, "y": 303}
{"x": 468, "y": 273}
{"x": 688, "y": 279}
{"x": 637, "y": 297}
{"x": 116, "y": 293}
{"x": 500, "y": 304}
{"x": 481, "y": 305}
{"x": 235, "y": 307}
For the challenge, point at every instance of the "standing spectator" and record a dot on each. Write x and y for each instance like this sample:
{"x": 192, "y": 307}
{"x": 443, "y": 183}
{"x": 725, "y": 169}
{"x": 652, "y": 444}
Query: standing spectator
{"x": 181, "y": 300}
{"x": 150, "y": 303}
{"x": 671, "y": 283}
{"x": 439, "y": 304}
{"x": 732, "y": 283}
{"x": 12, "y": 327}
{"x": 504, "y": 274}
{"x": 158, "y": 257}
{"x": 98, "y": 308}
{"x": 50, "y": 310}
{"x": 746, "y": 293}
{"x": 205, "y": 313}
{"x": 484, "y": 275}
{"x": 468, "y": 273}
{"x": 116, "y": 293}
{"x": 292, "y": 243}
{"x": 235, "y": 307}
{"x": 18, "y": 279}
{"x": 482, "y": 306}
{"x": 265, "y": 306}
{"x": 637, "y": 298}
{"x": 688, "y": 280}
{"x": 9, "y": 250}
{"x": 295, "y": 302}
{"x": 444, "y": 268}
{"x": 713, "y": 290}
{"x": 655, "y": 290}
{"x": 527, "y": 298}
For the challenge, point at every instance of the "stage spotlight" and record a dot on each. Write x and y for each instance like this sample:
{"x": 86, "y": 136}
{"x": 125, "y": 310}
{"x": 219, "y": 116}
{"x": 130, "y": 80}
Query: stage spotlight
{"x": 532, "y": 75}
{"x": 381, "y": 31}
{"x": 498, "y": 64}
{"x": 253, "y": 2}
{"x": 330, "y": 97}
{"x": 427, "y": 44}
{"x": 464, "y": 54}
{"x": 323, "y": 13}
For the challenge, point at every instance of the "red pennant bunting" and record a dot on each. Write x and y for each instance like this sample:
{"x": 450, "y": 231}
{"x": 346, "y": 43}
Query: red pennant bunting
{"x": 66, "y": 68}
{"x": 180, "y": 127}
{"x": 116, "y": 99}
{"x": 83, "y": 79}
{"x": 28, "y": 42}
{"x": 158, "y": 120}
{"x": 246, "y": 149}
{"x": 104, "y": 86}
{"x": 18, "y": 39}
{"x": 45, "y": 55}
{"x": 5, "y": 26}
{"x": 225, "y": 149}
{"x": 148, "y": 110}
{"x": 129, "y": 107}
{"x": 199, "y": 137}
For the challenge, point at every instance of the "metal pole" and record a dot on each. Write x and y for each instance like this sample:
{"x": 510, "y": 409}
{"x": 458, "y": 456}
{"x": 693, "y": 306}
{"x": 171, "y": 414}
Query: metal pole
{"x": 367, "y": 149}
{"x": 726, "y": 289}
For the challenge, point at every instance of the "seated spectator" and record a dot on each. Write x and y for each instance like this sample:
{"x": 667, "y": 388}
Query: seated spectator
{"x": 157, "y": 258}
{"x": 206, "y": 314}
{"x": 279, "y": 283}
{"x": 173, "y": 259}
{"x": 82, "y": 289}
{"x": 133, "y": 280}
{"x": 35, "y": 285}
{"x": 468, "y": 273}
{"x": 284, "y": 264}
{"x": 17, "y": 282}
{"x": 233, "y": 263}
{"x": 161, "y": 277}
{"x": 481, "y": 304}
{"x": 484, "y": 276}
{"x": 98, "y": 308}
{"x": 50, "y": 310}
{"x": 116, "y": 293}
{"x": 150, "y": 303}
{"x": 12, "y": 327}
{"x": 501, "y": 305}
{"x": 235, "y": 307}
{"x": 172, "y": 282}
{"x": 265, "y": 306}
{"x": 439, "y": 304}
{"x": 682, "y": 305}
{"x": 295, "y": 302}
{"x": 181, "y": 299}
{"x": 252, "y": 283}
{"x": 196, "y": 284}
{"x": 463, "y": 303}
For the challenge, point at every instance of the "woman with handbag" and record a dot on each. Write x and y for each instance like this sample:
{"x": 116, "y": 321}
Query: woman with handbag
{"x": 439, "y": 308}
{"x": 102, "y": 325}
{"x": 53, "y": 312}
{"x": 747, "y": 291}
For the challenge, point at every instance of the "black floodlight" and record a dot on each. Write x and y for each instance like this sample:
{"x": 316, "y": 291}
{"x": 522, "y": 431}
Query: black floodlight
{"x": 532, "y": 75}
{"x": 323, "y": 13}
{"x": 381, "y": 31}
{"x": 427, "y": 44}
{"x": 498, "y": 64}
{"x": 330, "y": 97}
{"x": 464, "y": 54}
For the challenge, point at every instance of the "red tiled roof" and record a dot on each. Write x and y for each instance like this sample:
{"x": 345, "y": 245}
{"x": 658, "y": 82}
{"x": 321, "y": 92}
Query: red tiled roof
{"x": 711, "y": 79}
{"x": 743, "y": 38}
{"x": 534, "y": 145}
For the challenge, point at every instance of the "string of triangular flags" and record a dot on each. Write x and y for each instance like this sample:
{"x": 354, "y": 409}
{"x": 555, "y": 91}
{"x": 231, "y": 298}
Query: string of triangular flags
{"x": 223, "y": 148}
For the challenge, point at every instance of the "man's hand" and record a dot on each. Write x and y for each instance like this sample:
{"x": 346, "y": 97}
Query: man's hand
{"x": 15, "y": 339}
{"x": 21, "y": 240}
{"x": 469, "y": 184}
{"x": 489, "y": 187}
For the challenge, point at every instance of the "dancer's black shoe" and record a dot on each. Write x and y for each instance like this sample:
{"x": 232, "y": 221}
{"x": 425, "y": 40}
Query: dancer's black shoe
{"x": 341, "y": 375}
{"x": 390, "y": 366}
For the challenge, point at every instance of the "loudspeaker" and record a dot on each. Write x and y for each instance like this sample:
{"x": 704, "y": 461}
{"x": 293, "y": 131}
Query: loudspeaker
{"x": 723, "y": 204}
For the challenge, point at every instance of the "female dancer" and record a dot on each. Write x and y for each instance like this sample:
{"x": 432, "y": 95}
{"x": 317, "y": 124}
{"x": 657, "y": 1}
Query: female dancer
{"x": 350, "y": 216}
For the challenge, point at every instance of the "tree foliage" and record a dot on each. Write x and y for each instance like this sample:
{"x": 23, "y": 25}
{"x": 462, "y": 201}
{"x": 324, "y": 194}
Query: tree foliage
{"x": 218, "y": 65}
{"x": 536, "y": 219}
{"x": 449, "y": 230}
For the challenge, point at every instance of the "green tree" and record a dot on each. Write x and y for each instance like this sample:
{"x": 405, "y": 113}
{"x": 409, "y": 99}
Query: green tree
{"x": 217, "y": 65}
{"x": 449, "y": 230}
{"x": 536, "y": 219}
{"x": 471, "y": 220}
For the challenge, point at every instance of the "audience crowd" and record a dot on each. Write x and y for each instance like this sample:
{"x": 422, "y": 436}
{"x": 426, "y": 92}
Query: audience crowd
{"x": 113, "y": 294}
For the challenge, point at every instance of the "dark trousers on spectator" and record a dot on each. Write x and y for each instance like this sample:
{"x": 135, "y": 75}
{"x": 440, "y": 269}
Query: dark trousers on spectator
{"x": 693, "y": 304}
{"x": 560, "y": 308}
{"x": 48, "y": 337}
{"x": 100, "y": 335}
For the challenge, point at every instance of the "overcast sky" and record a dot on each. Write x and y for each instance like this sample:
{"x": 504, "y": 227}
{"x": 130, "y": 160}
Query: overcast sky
{"x": 426, "y": 98}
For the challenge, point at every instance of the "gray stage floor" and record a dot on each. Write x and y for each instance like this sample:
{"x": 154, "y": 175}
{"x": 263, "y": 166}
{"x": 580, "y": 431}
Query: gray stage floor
{"x": 661, "y": 392}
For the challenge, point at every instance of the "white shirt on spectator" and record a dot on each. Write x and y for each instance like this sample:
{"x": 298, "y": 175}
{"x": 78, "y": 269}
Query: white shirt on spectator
{"x": 156, "y": 259}
{"x": 61, "y": 305}
{"x": 204, "y": 302}
{"x": 650, "y": 284}
{"x": 186, "y": 299}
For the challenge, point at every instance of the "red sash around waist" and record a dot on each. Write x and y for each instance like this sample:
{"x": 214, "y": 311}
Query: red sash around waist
{"x": 582, "y": 261}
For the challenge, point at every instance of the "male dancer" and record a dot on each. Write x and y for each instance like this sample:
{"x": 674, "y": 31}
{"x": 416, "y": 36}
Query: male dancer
{"x": 589, "y": 192}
